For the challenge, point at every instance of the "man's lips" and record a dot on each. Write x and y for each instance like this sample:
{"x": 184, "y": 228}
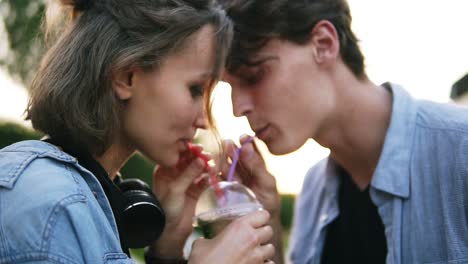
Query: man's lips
{"x": 260, "y": 133}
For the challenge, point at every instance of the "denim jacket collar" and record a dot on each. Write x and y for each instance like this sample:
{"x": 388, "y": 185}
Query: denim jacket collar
{"x": 27, "y": 151}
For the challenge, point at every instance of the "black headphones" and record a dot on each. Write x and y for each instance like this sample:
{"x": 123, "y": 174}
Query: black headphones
{"x": 142, "y": 218}
{"x": 139, "y": 216}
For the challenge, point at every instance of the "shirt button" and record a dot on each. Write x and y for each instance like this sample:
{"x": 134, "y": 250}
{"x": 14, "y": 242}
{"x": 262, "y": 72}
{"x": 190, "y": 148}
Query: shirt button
{"x": 95, "y": 194}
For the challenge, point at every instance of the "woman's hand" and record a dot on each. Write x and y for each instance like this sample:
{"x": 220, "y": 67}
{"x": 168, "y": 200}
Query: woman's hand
{"x": 178, "y": 189}
{"x": 244, "y": 241}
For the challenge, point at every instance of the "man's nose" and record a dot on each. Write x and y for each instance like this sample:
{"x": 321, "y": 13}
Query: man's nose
{"x": 241, "y": 101}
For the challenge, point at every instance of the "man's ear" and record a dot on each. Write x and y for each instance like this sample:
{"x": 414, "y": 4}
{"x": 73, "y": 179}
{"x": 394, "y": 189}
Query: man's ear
{"x": 325, "y": 41}
{"x": 122, "y": 83}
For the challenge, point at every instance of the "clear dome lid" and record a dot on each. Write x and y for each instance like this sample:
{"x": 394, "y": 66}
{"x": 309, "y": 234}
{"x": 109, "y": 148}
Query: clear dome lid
{"x": 236, "y": 200}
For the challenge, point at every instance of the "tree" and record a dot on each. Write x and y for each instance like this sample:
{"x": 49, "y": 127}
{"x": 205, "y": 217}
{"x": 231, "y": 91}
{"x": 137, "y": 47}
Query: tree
{"x": 22, "y": 20}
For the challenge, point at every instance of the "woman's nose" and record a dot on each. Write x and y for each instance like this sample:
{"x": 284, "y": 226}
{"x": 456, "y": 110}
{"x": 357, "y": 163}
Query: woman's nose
{"x": 201, "y": 120}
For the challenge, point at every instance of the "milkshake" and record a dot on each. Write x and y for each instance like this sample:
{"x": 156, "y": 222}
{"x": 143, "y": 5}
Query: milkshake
{"x": 213, "y": 214}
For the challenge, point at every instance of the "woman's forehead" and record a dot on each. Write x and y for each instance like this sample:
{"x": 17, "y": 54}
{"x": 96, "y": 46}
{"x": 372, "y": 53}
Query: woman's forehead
{"x": 197, "y": 54}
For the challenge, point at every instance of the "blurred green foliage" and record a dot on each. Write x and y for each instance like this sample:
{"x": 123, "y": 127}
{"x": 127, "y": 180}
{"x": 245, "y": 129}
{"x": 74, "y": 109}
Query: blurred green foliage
{"x": 287, "y": 209}
{"x": 22, "y": 20}
{"x": 138, "y": 166}
{"x": 12, "y": 132}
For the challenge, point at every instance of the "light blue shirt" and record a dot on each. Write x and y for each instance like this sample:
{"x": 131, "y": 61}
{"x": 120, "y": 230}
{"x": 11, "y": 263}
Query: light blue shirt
{"x": 420, "y": 187}
{"x": 52, "y": 210}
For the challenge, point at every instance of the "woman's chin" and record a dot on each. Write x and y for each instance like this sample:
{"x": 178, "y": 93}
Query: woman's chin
{"x": 169, "y": 160}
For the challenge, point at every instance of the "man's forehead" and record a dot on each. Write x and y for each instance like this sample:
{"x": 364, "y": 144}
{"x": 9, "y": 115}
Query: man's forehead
{"x": 239, "y": 70}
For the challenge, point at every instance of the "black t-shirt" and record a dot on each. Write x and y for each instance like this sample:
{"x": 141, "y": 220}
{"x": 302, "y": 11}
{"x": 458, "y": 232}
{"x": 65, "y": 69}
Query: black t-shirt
{"x": 357, "y": 235}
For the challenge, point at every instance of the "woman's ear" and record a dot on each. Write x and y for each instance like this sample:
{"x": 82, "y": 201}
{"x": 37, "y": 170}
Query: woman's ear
{"x": 325, "y": 42}
{"x": 122, "y": 83}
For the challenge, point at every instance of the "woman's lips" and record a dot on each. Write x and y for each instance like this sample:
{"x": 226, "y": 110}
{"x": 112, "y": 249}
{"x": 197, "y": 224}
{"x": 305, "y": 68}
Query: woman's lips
{"x": 183, "y": 145}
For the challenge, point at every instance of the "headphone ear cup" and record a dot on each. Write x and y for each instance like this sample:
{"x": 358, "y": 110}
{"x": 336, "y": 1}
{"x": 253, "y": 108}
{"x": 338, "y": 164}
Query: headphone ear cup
{"x": 143, "y": 218}
{"x": 133, "y": 185}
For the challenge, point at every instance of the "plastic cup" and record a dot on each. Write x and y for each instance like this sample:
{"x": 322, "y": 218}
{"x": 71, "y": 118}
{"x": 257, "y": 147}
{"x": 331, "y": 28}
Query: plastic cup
{"x": 212, "y": 214}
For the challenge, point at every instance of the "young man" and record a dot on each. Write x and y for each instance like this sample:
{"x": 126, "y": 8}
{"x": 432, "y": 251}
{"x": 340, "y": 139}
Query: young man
{"x": 394, "y": 188}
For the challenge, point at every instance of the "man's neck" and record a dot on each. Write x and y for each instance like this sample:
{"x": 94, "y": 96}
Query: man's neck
{"x": 357, "y": 134}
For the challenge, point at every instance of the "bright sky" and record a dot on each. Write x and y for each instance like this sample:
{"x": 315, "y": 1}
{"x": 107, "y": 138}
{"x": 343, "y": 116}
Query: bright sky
{"x": 421, "y": 44}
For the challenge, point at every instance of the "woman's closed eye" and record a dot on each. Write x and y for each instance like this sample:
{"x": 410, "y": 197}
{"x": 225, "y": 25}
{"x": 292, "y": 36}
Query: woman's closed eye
{"x": 196, "y": 90}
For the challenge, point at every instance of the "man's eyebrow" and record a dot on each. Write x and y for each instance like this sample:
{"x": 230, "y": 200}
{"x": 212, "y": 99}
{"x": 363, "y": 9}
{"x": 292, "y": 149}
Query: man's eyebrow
{"x": 256, "y": 61}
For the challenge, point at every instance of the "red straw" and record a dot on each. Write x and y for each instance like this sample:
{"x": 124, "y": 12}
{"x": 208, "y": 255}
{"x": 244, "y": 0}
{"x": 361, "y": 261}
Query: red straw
{"x": 214, "y": 181}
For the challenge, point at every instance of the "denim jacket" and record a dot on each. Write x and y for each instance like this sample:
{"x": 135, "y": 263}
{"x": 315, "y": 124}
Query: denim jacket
{"x": 420, "y": 187}
{"x": 52, "y": 210}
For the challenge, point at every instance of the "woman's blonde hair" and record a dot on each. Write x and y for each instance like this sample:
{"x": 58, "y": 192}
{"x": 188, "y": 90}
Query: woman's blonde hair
{"x": 72, "y": 99}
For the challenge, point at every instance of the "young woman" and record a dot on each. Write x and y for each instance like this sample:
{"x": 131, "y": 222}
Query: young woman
{"x": 123, "y": 76}
{"x": 394, "y": 188}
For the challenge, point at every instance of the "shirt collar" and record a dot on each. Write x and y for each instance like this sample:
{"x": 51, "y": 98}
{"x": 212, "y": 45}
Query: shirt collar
{"x": 393, "y": 169}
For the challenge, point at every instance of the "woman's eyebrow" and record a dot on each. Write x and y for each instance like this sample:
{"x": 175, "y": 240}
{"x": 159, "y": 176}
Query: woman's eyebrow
{"x": 204, "y": 75}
